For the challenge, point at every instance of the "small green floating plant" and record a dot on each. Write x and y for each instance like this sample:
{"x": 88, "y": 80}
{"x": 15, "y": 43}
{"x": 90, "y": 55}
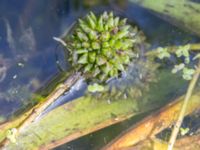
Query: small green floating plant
{"x": 184, "y": 60}
{"x": 102, "y": 47}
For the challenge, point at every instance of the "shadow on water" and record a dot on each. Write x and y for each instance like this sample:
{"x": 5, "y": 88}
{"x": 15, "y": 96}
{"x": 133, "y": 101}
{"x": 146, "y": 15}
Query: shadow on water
{"x": 27, "y": 48}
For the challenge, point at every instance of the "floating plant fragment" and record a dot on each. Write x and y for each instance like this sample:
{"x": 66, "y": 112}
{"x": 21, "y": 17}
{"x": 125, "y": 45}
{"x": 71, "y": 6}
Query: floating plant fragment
{"x": 95, "y": 88}
{"x": 178, "y": 67}
{"x": 188, "y": 73}
{"x": 163, "y": 53}
{"x": 182, "y": 53}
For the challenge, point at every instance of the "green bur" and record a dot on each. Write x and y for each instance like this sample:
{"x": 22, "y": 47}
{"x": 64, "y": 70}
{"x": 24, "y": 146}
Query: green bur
{"x": 102, "y": 46}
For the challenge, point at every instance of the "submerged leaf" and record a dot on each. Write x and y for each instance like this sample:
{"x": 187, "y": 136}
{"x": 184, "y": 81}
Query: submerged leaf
{"x": 95, "y": 88}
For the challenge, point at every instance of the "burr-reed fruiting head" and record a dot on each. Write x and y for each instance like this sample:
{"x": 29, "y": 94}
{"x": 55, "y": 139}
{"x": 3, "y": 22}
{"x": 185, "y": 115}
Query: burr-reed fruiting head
{"x": 103, "y": 45}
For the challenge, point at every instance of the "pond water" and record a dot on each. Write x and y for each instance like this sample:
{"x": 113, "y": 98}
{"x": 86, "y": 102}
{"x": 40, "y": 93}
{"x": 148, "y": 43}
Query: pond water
{"x": 28, "y": 51}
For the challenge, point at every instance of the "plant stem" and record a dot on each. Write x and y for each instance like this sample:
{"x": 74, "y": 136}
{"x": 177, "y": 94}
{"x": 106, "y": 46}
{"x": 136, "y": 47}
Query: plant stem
{"x": 184, "y": 107}
{"x": 40, "y": 107}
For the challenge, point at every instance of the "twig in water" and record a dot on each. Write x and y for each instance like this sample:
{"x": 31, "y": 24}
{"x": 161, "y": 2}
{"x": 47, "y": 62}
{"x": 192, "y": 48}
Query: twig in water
{"x": 184, "y": 107}
{"x": 39, "y": 108}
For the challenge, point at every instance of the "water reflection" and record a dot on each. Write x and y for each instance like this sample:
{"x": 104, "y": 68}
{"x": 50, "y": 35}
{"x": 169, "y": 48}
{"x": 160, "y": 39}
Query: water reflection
{"x": 26, "y": 47}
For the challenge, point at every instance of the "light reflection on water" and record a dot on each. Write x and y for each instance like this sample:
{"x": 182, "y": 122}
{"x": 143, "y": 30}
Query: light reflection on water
{"x": 27, "y": 50}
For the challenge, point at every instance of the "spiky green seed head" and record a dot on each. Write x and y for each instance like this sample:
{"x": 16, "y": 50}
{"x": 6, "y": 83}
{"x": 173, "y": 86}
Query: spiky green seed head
{"x": 103, "y": 46}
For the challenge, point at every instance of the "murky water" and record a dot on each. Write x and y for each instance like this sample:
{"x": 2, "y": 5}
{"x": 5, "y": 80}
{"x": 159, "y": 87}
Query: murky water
{"x": 27, "y": 48}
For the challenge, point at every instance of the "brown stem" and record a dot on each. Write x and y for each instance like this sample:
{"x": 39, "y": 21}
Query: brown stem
{"x": 184, "y": 107}
{"x": 153, "y": 124}
{"x": 39, "y": 108}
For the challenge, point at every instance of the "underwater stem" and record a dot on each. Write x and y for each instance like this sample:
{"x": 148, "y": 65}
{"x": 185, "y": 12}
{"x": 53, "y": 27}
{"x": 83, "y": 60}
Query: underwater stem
{"x": 40, "y": 107}
{"x": 184, "y": 107}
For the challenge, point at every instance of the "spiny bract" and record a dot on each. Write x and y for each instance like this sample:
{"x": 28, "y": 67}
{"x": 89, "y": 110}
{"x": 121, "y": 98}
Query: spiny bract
{"x": 103, "y": 46}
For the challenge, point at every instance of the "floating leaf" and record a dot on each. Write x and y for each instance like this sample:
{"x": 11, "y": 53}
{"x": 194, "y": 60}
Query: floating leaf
{"x": 12, "y": 135}
{"x": 188, "y": 73}
{"x": 184, "y": 131}
{"x": 163, "y": 53}
{"x": 95, "y": 88}
{"x": 178, "y": 68}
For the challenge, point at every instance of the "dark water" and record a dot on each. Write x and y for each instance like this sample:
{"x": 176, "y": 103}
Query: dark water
{"x": 27, "y": 48}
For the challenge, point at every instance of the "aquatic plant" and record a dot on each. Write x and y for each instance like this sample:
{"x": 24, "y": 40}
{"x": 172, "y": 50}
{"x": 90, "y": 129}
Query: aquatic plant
{"x": 186, "y": 62}
{"x": 184, "y": 59}
{"x": 103, "y": 46}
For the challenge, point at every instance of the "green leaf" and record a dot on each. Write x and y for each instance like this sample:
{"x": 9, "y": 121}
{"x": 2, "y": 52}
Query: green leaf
{"x": 188, "y": 73}
{"x": 184, "y": 131}
{"x": 183, "y": 51}
{"x": 12, "y": 135}
{"x": 163, "y": 53}
{"x": 95, "y": 88}
{"x": 178, "y": 68}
